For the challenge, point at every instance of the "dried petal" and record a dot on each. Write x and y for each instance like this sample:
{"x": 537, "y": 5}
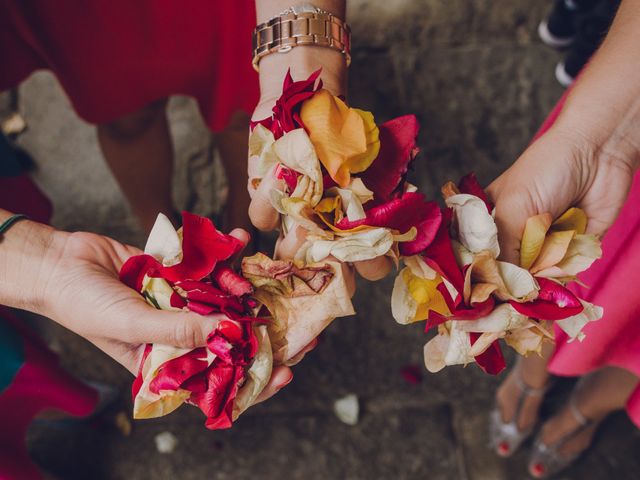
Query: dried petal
{"x": 573, "y": 219}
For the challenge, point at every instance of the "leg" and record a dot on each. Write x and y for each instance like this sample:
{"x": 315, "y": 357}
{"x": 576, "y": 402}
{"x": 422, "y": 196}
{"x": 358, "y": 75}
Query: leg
{"x": 232, "y": 144}
{"x": 596, "y": 396}
{"x": 139, "y": 152}
{"x": 533, "y": 373}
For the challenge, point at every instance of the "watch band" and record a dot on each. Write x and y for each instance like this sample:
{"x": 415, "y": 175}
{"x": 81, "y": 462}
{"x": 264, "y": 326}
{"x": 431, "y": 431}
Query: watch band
{"x": 293, "y": 28}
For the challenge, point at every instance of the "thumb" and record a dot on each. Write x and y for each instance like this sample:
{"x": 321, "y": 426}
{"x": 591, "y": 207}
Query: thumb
{"x": 512, "y": 209}
{"x": 145, "y": 324}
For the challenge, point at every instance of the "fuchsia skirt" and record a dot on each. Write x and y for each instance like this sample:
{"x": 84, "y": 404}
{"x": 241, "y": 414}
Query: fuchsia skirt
{"x": 613, "y": 283}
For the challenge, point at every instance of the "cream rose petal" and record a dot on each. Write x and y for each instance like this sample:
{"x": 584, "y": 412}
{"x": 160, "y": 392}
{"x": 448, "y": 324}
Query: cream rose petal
{"x": 503, "y": 317}
{"x": 357, "y": 247}
{"x": 525, "y": 340}
{"x": 158, "y": 292}
{"x": 151, "y": 405}
{"x": 419, "y": 267}
{"x": 435, "y": 351}
{"x": 261, "y": 145}
{"x": 459, "y": 349}
{"x": 518, "y": 281}
{"x": 164, "y": 243}
{"x": 258, "y": 374}
{"x": 403, "y": 305}
{"x": 477, "y": 230}
{"x": 573, "y": 326}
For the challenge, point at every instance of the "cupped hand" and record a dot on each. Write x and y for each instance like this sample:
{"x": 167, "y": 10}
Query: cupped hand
{"x": 558, "y": 171}
{"x": 84, "y": 294}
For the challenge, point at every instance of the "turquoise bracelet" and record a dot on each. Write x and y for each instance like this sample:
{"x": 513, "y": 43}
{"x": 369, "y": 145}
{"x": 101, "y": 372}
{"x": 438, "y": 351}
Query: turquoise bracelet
{"x": 8, "y": 223}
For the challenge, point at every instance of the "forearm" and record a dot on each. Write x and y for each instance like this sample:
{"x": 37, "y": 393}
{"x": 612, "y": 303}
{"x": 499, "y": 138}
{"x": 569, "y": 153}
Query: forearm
{"x": 604, "y": 105}
{"x": 301, "y": 60}
{"x": 26, "y": 255}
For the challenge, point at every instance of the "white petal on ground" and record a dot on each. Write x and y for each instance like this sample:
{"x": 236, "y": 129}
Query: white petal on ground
{"x": 347, "y": 409}
{"x": 477, "y": 230}
{"x": 166, "y": 442}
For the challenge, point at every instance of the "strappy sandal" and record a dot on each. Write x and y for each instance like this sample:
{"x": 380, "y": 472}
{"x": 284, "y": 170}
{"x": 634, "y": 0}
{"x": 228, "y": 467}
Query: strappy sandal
{"x": 506, "y": 437}
{"x": 546, "y": 460}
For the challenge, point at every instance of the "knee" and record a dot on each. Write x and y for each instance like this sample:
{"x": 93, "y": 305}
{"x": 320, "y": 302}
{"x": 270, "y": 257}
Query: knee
{"x": 134, "y": 125}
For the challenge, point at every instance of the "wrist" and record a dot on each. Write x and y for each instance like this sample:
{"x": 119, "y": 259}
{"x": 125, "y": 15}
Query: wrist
{"x": 302, "y": 61}
{"x": 29, "y": 252}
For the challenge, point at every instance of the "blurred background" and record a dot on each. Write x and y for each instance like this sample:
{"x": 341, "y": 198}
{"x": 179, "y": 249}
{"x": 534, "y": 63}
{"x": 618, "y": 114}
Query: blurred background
{"x": 480, "y": 81}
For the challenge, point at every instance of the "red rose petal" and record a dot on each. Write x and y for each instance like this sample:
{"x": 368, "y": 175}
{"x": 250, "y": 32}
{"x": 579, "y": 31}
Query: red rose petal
{"x": 469, "y": 184}
{"x": 231, "y": 282}
{"x": 400, "y": 214}
{"x": 137, "y": 383}
{"x": 174, "y": 373}
{"x": 491, "y": 361}
{"x": 135, "y": 268}
{"x": 554, "y": 302}
{"x": 412, "y": 374}
{"x": 289, "y": 176}
{"x": 286, "y": 111}
{"x": 439, "y": 254}
{"x": 203, "y": 246}
{"x": 426, "y": 233}
{"x": 397, "y": 150}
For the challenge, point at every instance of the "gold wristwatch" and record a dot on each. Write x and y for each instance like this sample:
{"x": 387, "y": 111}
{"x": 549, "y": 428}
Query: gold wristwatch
{"x": 301, "y": 25}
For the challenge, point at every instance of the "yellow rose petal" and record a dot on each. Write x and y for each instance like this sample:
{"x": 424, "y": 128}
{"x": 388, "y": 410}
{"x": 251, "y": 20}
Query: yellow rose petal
{"x": 554, "y": 250}
{"x": 533, "y": 237}
{"x": 572, "y": 219}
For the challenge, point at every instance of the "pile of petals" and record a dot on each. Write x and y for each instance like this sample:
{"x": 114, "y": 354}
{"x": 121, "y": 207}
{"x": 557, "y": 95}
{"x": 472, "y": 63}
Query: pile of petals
{"x": 190, "y": 269}
{"x": 342, "y": 176}
{"x": 458, "y": 285}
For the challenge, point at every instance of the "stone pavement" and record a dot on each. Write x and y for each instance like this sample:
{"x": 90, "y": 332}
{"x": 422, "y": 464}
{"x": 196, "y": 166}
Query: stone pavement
{"x": 480, "y": 81}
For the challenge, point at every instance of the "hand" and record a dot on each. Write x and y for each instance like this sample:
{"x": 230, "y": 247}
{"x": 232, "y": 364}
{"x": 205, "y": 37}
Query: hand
{"x": 558, "y": 171}
{"x": 83, "y": 293}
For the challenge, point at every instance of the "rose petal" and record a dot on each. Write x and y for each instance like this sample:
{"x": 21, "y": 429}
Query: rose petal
{"x": 469, "y": 184}
{"x": 476, "y": 228}
{"x": 491, "y": 361}
{"x": 164, "y": 243}
{"x": 553, "y": 250}
{"x": 345, "y": 139}
{"x": 397, "y": 150}
{"x": 554, "y": 302}
{"x": 573, "y": 326}
{"x": 573, "y": 219}
{"x": 535, "y": 232}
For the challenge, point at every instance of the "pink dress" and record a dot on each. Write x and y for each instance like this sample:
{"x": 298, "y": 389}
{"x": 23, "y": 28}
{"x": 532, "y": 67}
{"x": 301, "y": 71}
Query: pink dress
{"x": 612, "y": 283}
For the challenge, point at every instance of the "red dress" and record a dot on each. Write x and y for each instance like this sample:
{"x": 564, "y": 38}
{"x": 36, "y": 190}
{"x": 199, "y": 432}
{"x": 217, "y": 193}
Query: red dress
{"x": 113, "y": 57}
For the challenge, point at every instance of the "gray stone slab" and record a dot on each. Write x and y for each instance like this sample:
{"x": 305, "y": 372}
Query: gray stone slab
{"x": 395, "y": 443}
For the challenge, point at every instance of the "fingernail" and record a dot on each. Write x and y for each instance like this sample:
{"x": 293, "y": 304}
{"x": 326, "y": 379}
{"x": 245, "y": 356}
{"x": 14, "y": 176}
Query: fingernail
{"x": 286, "y": 382}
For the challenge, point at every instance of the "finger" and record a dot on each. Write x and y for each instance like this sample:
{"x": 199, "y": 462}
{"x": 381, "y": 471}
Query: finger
{"x": 280, "y": 378}
{"x": 511, "y": 213}
{"x": 141, "y": 323}
{"x": 374, "y": 269}
{"x": 289, "y": 244}
{"x": 299, "y": 356}
{"x": 261, "y": 212}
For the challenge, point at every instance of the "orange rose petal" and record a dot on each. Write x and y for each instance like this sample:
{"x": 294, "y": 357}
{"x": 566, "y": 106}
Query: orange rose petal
{"x": 533, "y": 237}
{"x": 572, "y": 219}
{"x": 346, "y": 139}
